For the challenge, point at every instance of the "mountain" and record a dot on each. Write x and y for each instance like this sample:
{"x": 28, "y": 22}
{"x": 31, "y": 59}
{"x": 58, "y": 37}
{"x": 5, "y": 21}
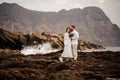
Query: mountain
{"x": 92, "y": 23}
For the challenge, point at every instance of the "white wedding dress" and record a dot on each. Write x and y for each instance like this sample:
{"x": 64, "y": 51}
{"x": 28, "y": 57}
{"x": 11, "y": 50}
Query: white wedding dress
{"x": 67, "y": 52}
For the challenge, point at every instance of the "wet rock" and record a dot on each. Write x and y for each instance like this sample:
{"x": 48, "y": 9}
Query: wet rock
{"x": 64, "y": 75}
{"x": 90, "y": 66}
{"x": 11, "y": 40}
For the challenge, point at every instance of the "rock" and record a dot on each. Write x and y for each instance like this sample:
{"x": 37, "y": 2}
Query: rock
{"x": 13, "y": 40}
{"x": 90, "y": 66}
{"x": 83, "y": 45}
{"x": 39, "y": 38}
{"x": 64, "y": 75}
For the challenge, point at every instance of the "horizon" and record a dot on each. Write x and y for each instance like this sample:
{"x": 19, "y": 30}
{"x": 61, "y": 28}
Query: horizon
{"x": 110, "y": 8}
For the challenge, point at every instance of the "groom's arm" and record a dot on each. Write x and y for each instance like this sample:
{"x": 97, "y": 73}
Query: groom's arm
{"x": 76, "y": 36}
{"x": 71, "y": 35}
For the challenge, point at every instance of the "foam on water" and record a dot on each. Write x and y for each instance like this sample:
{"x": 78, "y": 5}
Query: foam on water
{"x": 47, "y": 48}
{"x": 38, "y": 49}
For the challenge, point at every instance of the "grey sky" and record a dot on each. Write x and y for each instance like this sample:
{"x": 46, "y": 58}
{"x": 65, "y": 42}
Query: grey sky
{"x": 110, "y": 7}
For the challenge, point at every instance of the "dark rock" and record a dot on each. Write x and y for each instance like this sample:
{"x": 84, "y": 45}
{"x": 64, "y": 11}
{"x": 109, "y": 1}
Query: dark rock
{"x": 90, "y": 66}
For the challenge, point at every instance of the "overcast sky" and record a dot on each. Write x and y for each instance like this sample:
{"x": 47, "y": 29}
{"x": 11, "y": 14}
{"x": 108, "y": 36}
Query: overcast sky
{"x": 110, "y": 7}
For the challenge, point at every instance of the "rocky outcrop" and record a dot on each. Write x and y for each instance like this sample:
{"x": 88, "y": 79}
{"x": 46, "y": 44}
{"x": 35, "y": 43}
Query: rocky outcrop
{"x": 18, "y": 40}
{"x": 92, "y": 23}
{"x": 90, "y": 66}
{"x": 11, "y": 40}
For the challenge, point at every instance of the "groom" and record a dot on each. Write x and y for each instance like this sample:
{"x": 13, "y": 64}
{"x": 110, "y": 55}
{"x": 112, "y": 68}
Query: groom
{"x": 74, "y": 41}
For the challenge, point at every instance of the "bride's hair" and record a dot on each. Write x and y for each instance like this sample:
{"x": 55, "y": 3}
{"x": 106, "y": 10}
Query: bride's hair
{"x": 67, "y": 29}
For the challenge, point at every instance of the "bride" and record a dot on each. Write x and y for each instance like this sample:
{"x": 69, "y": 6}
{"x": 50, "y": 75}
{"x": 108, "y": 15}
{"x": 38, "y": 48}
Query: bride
{"x": 67, "y": 52}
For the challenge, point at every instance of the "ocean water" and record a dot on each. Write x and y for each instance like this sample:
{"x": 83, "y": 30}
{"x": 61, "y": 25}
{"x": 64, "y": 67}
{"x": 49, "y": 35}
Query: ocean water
{"x": 114, "y": 49}
{"x": 112, "y": 79}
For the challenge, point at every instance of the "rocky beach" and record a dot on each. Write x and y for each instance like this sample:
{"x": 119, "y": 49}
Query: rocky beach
{"x": 90, "y": 66}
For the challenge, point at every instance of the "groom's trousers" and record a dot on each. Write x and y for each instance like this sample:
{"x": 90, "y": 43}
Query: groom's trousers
{"x": 74, "y": 51}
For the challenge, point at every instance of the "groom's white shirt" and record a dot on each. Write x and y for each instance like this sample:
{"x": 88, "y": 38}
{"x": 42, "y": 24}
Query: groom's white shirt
{"x": 75, "y": 37}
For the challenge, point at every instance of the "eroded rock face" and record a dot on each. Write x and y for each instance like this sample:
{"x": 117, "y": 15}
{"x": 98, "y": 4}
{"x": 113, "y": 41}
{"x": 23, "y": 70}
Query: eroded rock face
{"x": 17, "y": 40}
{"x": 11, "y": 40}
{"x": 90, "y": 66}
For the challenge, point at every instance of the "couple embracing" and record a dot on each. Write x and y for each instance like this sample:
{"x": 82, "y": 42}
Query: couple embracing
{"x": 71, "y": 37}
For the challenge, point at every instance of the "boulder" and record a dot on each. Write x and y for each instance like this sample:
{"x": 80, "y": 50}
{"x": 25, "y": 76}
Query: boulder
{"x": 11, "y": 40}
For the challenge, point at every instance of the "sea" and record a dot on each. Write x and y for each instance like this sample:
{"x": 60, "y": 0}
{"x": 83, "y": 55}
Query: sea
{"x": 114, "y": 49}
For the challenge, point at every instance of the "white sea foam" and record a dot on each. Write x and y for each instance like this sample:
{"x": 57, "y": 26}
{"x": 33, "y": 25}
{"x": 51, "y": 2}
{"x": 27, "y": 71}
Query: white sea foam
{"x": 47, "y": 48}
{"x": 38, "y": 49}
